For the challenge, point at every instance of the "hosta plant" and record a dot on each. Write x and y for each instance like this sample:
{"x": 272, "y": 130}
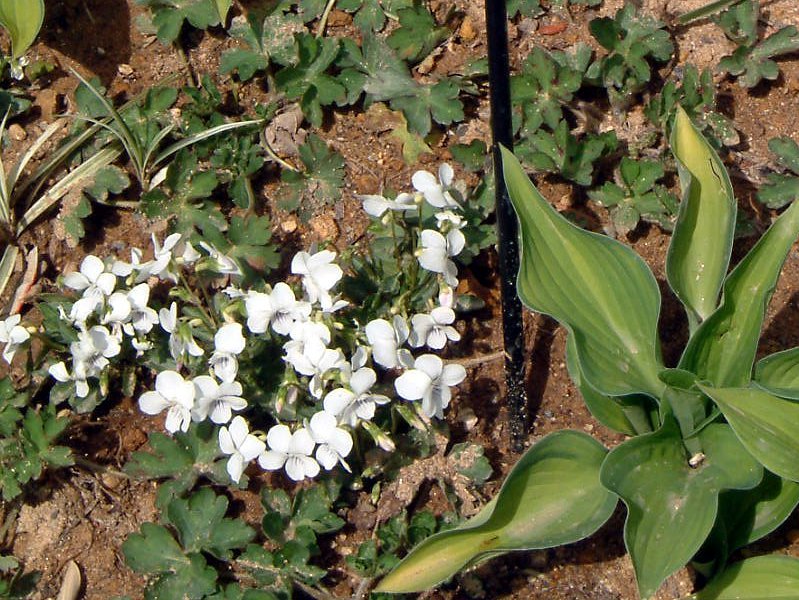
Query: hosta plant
{"x": 712, "y": 459}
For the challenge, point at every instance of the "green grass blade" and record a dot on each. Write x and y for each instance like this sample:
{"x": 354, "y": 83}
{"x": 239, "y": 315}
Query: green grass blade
{"x": 7, "y": 263}
{"x": 78, "y": 175}
{"x": 199, "y": 137}
{"x": 124, "y": 133}
{"x": 19, "y": 167}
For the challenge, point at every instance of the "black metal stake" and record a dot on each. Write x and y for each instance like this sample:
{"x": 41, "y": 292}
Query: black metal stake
{"x": 501, "y": 131}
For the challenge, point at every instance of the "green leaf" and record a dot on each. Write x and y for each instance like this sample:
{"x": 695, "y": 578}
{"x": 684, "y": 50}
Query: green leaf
{"x": 598, "y": 288}
{"x": 322, "y": 180}
{"x": 222, "y": 8}
{"x": 154, "y": 550}
{"x": 22, "y": 19}
{"x": 779, "y": 374}
{"x": 417, "y": 34}
{"x": 194, "y": 581}
{"x": 308, "y": 79}
{"x": 782, "y": 189}
{"x": 699, "y": 252}
{"x": 722, "y": 350}
{"x": 765, "y": 424}
{"x": 551, "y": 497}
{"x": 671, "y": 506}
{"x": 605, "y": 409}
{"x": 201, "y": 524}
{"x": 771, "y": 577}
{"x": 748, "y": 515}
{"x": 169, "y": 16}
{"x": 754, "y": 63}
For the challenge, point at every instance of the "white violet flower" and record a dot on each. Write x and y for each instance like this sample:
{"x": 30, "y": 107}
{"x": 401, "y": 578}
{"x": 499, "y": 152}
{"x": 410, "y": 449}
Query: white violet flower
{"x": 357, "y": 402}
{"x": 241, "y": 445}
{"x": 221, "y": 263}
{"x": 142, "y": 317}
{"x": 319, "y": 275}
{"x": 90, "y": 356}
{"x": 161, "y": 265}
{"x": 229, "y": 342}
{"x": 435, "y": 190}
{"x": 174, "y": 394}
{"x": 292, "y": 450}
{"x": 13, "y": 335}
{"x": 429, "y": 381}
{"x": 216, "y": 400}
{"x": 434, "y": 329}
{"x": 314, "y": 361}
{"x": 334, "y": 442}
{"x": 279, "y": 308}
{"x": 376, "y": 205}
{"x": 437, "y": 250}
{"x": 386, "y": 339}
{"x": 93, "y": 279}
{"x": 181, "y": 340}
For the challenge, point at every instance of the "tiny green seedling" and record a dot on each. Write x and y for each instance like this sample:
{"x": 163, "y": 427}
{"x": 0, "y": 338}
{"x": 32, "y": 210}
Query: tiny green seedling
{"x": 637, "y": 196}
{"x": 559, "y": 151}
{"x": 711, "y": 462}
{"x": 782, "y": 188}
{"x": 631, "y": 40}
{"x": 751, "y": 62}
{"x": 169, "y": 16}
{"x": 142, "y": 136}
{"x": 696, "y": 94}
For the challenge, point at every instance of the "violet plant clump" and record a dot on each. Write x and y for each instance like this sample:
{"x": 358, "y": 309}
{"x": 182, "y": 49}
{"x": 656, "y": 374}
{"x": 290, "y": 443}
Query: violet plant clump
{"x": 356, "y": 336}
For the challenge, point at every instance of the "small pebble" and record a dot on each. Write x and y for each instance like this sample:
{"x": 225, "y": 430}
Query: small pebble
{"x": 100, "y": 51}
{"x": 125, "y": 70}
{"x": 16, "y": 132}
{"x": 289, "y": 225}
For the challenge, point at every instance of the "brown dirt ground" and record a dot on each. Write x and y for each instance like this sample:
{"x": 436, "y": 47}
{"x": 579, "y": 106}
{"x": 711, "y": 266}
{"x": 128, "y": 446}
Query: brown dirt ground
{"x": 84, "y": 516}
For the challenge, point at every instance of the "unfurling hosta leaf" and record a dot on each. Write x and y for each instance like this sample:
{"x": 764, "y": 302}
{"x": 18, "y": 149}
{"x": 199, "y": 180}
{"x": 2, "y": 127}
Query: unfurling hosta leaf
{"x": 551, "y": 497}
{"x": 748, "y": 515}
{"x": 597, "y": 287}
{"x": 22, "y": 19}
{"x": 671, "y": 506}
{"x": 779, "y": 374}
{"x": 767, "y": 425}
{"x": 757, "y": 578}
{"x": 722, "y": 350}
{"x": 700, "y": 248}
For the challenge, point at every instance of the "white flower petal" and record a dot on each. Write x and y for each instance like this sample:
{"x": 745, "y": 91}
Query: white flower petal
{"x": 279, "y": 438}
{"x": 413, "y": 384}
{"x": 272, "y": 460}
{"x": 229, "y": 338}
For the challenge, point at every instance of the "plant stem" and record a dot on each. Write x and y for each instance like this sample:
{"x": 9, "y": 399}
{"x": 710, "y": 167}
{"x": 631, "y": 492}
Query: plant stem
{"x": 475, "y": 361}
{"x": 704, "y": 11}
{"x": 313, "y": 592}
{"x": 271, "y": 154}
{"x": 320, "y": 28}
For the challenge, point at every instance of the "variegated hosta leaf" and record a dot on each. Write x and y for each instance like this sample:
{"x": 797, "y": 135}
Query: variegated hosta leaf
{"x": 774, "y": 577}
{"x": 671, "y": 506}
{"x": 779, "y": 374}
{"x": 22, "y": 19}
{"x": 722, "y": 350}
{"x": 767, "y": 425}
{"x": 550, "y": 498}
{"x": 597, "y": 287}
{"x": 700, "y": 247}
